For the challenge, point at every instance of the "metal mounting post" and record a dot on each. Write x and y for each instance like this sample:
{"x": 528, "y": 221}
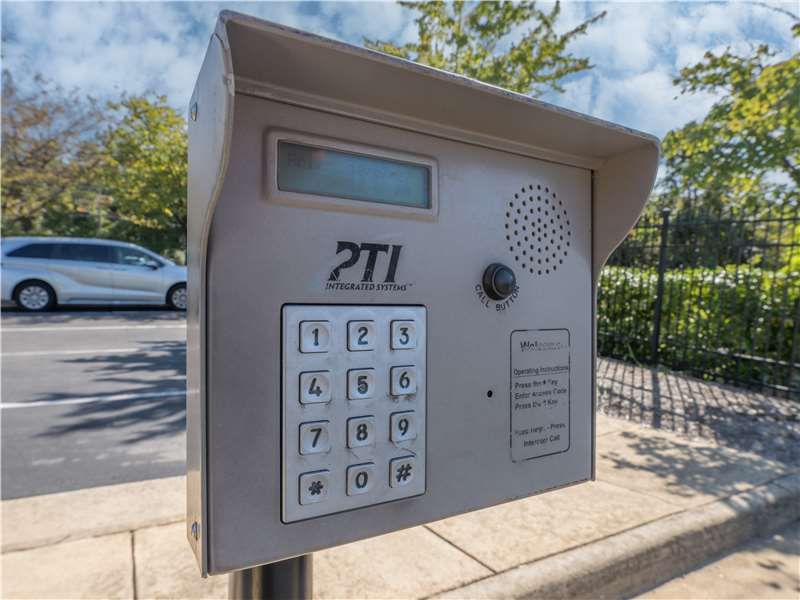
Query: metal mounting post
{"x": 290, "y": 579}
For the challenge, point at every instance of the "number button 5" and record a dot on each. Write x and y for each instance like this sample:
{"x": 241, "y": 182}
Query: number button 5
{"x": 404, "y": 335}
{"x": 360, "y": 335}
{"x": 360, "y": 432}
{"x": 404, "y": 380}
{"x": 315, "y": 387}
{"x": 315, "y": 336}
{"x": 403, "y": 426}
{"x": 360, "y": 383}
{"x": 314, "y": 438}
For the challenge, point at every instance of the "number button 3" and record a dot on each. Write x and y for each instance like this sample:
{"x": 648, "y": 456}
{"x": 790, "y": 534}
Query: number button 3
{"x": 404, "y": 335}
{"x": 360, "y": 478}
{"x": 315, "y": 336}
{"x": 315, "y": 387}
{"x": 360, "y": 383}
{"x": 404, "y": 380}
{"x": 360, "y": 335}
{"x": 360, "y": 432}
{"x": 314, "y": 438}
{"x": 403, "y": 426}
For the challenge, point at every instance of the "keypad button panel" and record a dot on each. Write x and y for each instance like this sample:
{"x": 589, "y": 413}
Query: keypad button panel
{"x": 353, "y": 430}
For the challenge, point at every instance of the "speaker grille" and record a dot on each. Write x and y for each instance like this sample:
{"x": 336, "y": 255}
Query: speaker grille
{"x": 538, "y": 229}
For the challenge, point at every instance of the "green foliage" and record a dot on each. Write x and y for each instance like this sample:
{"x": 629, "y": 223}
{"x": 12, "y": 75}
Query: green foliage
{"x": 747, "y": 148}
{"x": 474, "y": 40}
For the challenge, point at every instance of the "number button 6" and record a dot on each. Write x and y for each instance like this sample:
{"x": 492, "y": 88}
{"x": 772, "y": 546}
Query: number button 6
{"x": 404, "y": 380}
{"x": 315, "y": 387}
{"x": 314, "y": 438}
{"x": 360, "y": 384}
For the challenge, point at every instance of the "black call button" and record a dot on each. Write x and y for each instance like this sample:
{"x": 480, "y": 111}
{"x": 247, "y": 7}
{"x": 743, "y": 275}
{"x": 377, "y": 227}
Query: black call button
{"x": 499, "y": 281}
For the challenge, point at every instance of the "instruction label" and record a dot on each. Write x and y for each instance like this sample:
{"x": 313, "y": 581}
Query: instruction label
{"x": 540, "y": 395}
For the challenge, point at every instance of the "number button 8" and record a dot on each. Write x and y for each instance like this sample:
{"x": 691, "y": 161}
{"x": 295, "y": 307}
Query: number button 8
{"x": 404, "y": 335}
{"x": 360, "y": 432}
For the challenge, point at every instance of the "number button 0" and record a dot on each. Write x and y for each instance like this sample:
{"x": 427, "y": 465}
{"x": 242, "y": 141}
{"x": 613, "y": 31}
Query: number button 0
{"x": 315, "y": 387}
{"x": 360, "y": 383}
{"x": 360, "y": 335}
{"x": 315, "y": 336}
{"x": 403, "y": 426}
{"x": 404, "y": 380}
{"x": 404, "y": 335}
{"x": 360, "y": 432}
{"x": 360, "y": 478}
{"x": 314, "y": 438}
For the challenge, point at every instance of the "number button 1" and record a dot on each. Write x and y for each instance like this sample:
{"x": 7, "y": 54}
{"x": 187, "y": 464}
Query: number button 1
{"x": 403, "y": 426}
{"x": 360, "y": 383}
{"x": 315, "y": 336}
{"x": 404, "y": 335}
{"x": 315, "y": 387}
{"x": 403, "y": 380}
{"x": 360, "y": 335}
{"x": 360, "y": 432}
{"x": 360, "y": 478}
{"x": 314, "y": 438}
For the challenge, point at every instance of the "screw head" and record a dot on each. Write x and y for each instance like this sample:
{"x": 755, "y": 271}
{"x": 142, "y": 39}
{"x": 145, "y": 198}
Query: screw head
{"x": 193, "y": 111}
{"x": 195, "y": 530}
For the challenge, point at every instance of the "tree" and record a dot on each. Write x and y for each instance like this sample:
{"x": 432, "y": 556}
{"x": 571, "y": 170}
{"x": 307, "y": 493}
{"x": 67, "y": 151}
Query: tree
{"x": 145, "y": 170}
{"x": 50, "y": 150}
{"x": 747, "y": 148}
{"x": 472, "y": 40}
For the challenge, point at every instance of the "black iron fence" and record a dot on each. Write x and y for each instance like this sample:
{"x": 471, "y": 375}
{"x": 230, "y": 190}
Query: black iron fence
{"x": 716, "y": 294}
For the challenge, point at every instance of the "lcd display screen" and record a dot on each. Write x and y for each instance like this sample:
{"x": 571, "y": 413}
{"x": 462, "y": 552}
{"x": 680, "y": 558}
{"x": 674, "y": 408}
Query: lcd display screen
{"x": 326, "y": 172}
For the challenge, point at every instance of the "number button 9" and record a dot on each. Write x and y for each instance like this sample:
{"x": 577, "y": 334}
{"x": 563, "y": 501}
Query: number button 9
{"x": 315, "y": 336}
{"x": 360, "y": 432}
{"x": 403, "y": 426}
{"x": 315, "y": 387}
{"x": 314, "y": 438}
{"x": 404, "y": 380}
{"x": 404, "y": 335}
{"x": 360, "y": 336}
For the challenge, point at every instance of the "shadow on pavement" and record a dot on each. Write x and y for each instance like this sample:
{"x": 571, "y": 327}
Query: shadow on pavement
{"x": 90, "y": 314}
{"x": 136, "y": 419}
{"x": 675, "y": 402}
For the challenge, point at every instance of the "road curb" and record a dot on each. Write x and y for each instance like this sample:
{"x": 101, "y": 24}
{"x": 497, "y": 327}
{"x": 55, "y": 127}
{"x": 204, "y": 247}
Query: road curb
{"x": 628, "y": 563}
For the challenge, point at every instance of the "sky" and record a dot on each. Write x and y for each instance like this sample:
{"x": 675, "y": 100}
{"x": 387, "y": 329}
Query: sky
{"x": 105, "y": 49}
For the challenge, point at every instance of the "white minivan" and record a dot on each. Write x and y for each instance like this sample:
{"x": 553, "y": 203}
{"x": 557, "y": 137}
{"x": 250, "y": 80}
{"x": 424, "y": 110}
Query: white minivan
{"x": 39, "y": 273}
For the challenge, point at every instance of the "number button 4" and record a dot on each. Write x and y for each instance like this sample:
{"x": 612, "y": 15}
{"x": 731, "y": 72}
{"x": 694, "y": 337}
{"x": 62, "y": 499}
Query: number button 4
{"x": 403, "y": 426}
{"x": 360, "y": 432}
{"x": 360, "y": 383}
{"x": 314, "y": 438}
{"x": 403, "y": 380}
{"x": 315, "y": 336}
{"x": 360, "y": 335}
{"x": 404, "y": 335}
{"x": 315, "y": 387}
{"x": 360, "y": 478}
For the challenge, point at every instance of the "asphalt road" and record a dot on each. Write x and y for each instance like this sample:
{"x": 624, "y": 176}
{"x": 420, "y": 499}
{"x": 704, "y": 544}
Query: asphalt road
{"x": 91, "y": 398}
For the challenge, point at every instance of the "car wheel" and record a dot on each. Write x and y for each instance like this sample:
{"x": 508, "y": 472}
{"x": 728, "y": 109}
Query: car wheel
{"x": 35, "y": 296}
{"x": 176, "y": 297}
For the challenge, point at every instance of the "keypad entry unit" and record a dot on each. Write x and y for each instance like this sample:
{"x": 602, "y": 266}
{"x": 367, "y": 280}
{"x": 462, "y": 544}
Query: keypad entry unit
{"x": 354, "y": 400}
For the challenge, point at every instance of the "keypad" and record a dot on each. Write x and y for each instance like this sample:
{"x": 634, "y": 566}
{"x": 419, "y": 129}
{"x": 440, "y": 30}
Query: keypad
{"x": 354, "y": 398}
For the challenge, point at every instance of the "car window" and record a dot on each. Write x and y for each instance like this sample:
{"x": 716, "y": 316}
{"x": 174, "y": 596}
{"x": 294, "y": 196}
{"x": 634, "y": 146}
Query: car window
{"x": 84, "y": 252}
{"x": 131, "y": 257}
{"x": 33, "y": 251}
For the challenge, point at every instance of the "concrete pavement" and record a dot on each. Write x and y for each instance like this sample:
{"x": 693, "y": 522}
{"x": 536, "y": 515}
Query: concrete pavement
{"x": 662, "y": 504}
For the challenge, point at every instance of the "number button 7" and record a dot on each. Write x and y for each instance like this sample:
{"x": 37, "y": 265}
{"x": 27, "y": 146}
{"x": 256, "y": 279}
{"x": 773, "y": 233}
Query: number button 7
{"x": 314, "y": 438}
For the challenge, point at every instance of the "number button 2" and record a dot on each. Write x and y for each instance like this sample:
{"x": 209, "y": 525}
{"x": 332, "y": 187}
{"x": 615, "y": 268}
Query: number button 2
{"x": 404, "y": 335}
{"x": 403, "y": 426}
{"x": 315, "y": 387}
{"x": 360, "y": 383}
{"x": 360, "y": 336}
{"x": 404, "y": 380}
{"x": 315, "y": 336}
{"x": 360, "y": 432}
{"x": 314, "y": 438}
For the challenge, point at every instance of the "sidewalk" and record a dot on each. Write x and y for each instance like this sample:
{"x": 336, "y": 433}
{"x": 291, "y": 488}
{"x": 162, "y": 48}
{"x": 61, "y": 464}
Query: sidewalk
{"x": 661, "y": 505}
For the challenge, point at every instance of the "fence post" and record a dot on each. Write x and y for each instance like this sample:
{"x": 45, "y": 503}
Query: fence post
{"x": 662, "y": 267}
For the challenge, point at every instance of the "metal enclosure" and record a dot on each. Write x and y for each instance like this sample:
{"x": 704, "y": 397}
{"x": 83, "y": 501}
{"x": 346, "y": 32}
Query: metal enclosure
{"x": 503, "y": 389}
